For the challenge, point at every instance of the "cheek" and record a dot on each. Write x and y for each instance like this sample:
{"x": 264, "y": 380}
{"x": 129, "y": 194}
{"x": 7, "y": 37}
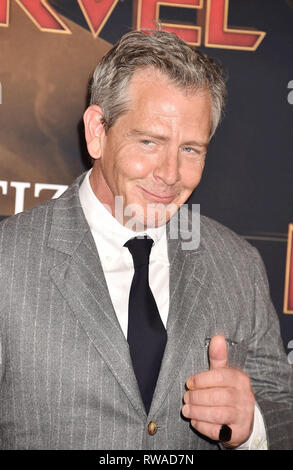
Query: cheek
{"x": 136, "y": 166}
{"x": 191, "y": 178}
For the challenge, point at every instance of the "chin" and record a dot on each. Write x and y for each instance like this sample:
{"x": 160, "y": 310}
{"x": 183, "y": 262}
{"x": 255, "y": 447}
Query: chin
{"x": 139, "y": 222}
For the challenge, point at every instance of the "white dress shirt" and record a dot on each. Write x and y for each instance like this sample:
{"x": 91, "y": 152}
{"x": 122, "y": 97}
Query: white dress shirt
{"x": 117, "y": 261}
{"x": 118, "y": 268}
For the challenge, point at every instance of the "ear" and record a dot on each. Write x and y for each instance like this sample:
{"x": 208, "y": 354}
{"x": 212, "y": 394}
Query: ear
{"x": 94, "y": 130}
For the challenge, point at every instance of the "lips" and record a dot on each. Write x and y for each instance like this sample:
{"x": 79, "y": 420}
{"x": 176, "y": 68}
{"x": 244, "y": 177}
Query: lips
{"x": 163, "y": 198}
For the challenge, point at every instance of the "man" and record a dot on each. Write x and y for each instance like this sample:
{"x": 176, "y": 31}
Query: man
{"x": 106, "y": 345}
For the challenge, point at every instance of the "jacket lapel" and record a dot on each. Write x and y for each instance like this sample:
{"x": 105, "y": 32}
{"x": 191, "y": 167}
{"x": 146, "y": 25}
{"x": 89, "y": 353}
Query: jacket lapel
{"x": 190, "y": 279}
{"x": 80, "y": 280}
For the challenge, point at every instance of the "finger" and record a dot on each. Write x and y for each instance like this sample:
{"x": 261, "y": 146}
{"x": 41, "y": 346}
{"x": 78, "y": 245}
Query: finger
{"x": 213, "y": 431}
{"x": 218, "y": 352}
{"x": 223, "y": 377}
{"x": 216, "y": 396}
{"x": 210, "y": 414}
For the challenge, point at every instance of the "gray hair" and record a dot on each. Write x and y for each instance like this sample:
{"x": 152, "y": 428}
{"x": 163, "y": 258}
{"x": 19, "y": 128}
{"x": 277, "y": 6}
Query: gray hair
{"x": 185, "y": 66}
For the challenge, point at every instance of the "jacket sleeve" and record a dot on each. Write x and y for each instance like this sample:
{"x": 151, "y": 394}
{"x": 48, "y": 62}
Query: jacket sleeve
{"x": 267, "y": 365}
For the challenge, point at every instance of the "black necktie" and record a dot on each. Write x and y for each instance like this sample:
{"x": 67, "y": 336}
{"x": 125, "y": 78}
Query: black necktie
{"x": 146, "y": 334}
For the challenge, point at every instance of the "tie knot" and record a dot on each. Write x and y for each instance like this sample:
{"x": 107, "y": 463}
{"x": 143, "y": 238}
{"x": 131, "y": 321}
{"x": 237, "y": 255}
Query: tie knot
{"x": 140, "y": 249}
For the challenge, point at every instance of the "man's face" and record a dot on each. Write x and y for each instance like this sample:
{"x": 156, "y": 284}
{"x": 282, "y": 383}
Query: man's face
{"x": 153, "y": 156}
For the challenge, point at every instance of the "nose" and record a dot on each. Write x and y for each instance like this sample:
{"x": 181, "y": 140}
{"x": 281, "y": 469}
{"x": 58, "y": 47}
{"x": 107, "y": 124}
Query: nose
{"x": 167, "y": 169}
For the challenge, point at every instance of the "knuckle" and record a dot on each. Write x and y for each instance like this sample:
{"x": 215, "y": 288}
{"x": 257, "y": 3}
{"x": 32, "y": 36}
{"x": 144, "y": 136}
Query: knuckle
{"x": 219, "y": 376}
{"x": 195, "y": 397}
{"x": 199, "y": 378}
{"x": 213, "y": 397}
{"x": 209, "y": 430}
{"x": 215, "y": 433}
{"x": 231, "y": 395}
{"x": 188, "y": 397}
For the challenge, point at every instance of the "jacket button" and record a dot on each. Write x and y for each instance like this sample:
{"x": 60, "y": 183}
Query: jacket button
{"x": 152, "y": 428}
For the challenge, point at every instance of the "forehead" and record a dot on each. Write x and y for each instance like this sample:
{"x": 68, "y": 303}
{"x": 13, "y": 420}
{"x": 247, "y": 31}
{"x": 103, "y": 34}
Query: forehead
{"x": 150, "y": 79}
{"x": 154, "y": 98}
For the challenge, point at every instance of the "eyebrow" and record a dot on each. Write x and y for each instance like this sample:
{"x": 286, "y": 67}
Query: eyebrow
{"x": 136, "y": 132}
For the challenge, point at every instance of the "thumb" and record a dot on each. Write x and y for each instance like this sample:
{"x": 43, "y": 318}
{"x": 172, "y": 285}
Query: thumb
{"x": 218, "y": 352}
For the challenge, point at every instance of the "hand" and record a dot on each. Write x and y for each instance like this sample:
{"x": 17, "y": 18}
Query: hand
{"x": 221, "y": 395}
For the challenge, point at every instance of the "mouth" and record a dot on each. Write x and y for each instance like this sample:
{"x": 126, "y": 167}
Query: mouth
{"x": 163, "y": 198}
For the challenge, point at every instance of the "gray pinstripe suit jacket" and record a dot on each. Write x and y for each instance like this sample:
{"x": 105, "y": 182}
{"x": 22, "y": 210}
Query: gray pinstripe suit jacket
{"x": 66, "y": 375}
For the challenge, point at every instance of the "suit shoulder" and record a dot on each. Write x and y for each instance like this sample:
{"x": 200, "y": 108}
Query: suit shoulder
{"x": 31, "y": 219}
{"x": 39, "y": 216}
{"x": 217, "y": 237}
{"x": 230, "y": 252}
{"x": 28, "y": 228}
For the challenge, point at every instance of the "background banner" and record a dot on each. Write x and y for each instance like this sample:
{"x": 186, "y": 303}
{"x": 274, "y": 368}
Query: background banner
{"x": 48, "y": 51}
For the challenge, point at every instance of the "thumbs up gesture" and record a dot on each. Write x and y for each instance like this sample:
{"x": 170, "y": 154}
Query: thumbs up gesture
{"x": 220, "y": 402}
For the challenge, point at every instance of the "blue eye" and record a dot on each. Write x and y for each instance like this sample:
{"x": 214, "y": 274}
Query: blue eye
{"x": 188, "y": 149}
